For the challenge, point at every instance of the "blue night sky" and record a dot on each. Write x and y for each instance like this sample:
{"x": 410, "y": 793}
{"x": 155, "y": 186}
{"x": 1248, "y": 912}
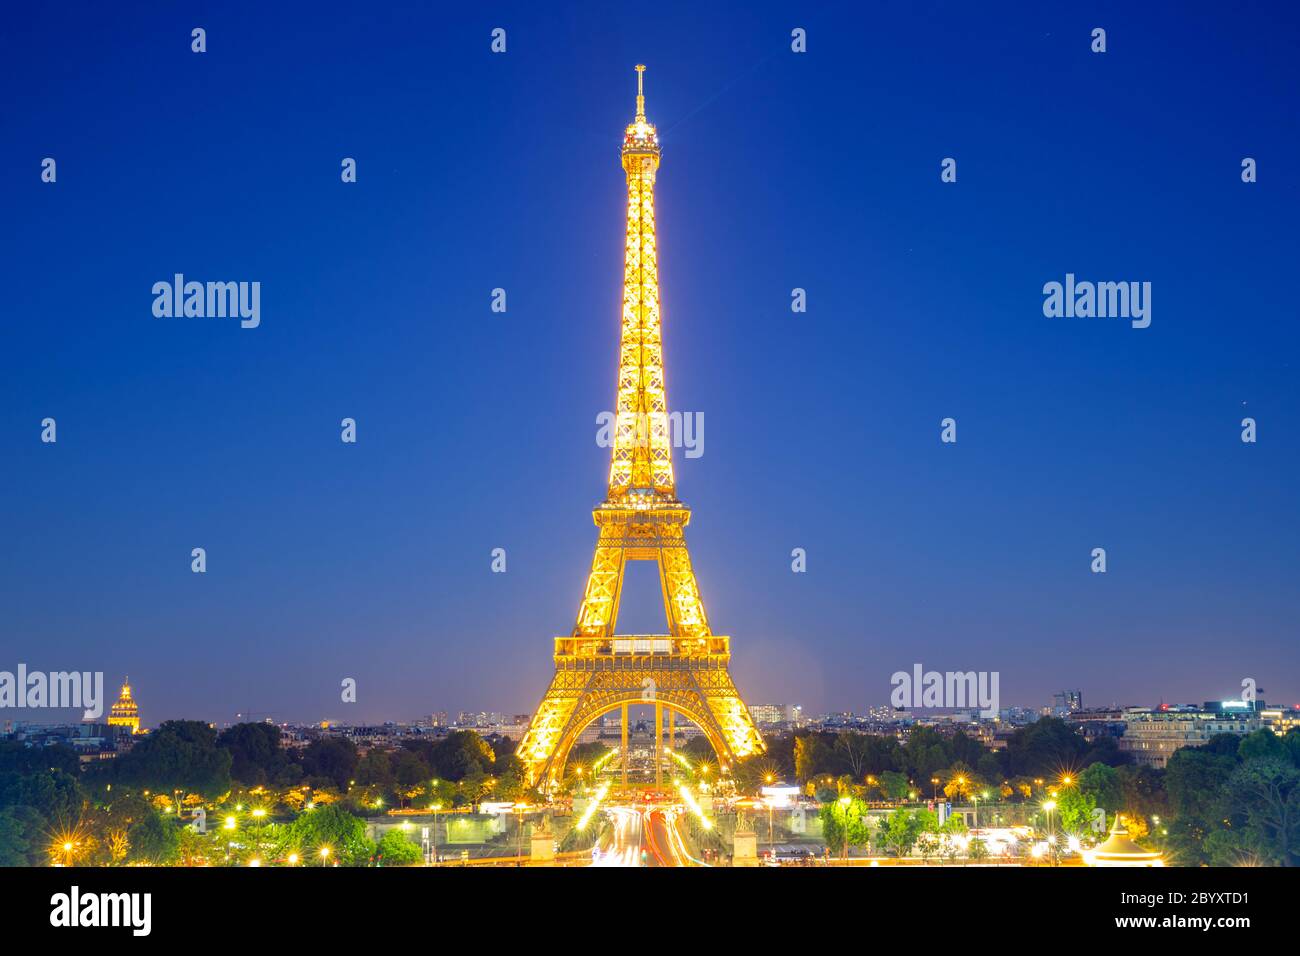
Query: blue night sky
{"x": 477, "y": 430}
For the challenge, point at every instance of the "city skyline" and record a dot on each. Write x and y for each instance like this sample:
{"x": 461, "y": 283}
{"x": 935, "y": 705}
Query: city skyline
{"x": 50, "y": 716}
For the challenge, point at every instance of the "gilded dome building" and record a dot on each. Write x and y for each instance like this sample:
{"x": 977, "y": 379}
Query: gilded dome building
{"x": 125, "y": 713}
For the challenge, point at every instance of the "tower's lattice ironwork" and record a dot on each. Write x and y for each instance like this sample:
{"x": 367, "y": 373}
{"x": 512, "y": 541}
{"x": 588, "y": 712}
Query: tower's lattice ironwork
{"x": 685, "y": 671}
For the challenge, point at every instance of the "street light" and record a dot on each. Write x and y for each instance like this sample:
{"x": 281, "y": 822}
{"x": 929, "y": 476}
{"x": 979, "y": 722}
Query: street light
{"x": 1049, "y": 806}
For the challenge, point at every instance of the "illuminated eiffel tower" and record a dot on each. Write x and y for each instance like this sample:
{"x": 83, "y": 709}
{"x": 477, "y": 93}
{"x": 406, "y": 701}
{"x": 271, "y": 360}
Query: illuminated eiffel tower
{"x": 596, "y": 671}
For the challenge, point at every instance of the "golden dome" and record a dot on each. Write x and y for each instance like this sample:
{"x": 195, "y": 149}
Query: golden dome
{"x": 125, "y": 713}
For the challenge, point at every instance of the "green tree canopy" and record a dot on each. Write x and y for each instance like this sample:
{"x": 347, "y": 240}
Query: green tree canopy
{"x": 180, "y": 756}
{"x": 396, "y": 849}
{"x": 256, "y": 758}
{"x": 333, "y": 758}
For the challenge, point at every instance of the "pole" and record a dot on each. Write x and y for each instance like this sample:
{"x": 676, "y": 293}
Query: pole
{"x": 659, "y": 745}
{"x": 625, "y": 746}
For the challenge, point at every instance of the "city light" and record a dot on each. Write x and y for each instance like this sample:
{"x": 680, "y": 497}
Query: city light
{"x": 695, "y": 807}
{"x": 591, "y": 807}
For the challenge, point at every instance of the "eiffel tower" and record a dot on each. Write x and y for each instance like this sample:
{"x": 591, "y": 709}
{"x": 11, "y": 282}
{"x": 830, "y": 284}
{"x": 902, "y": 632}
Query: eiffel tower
{"x": 684, "y": 672}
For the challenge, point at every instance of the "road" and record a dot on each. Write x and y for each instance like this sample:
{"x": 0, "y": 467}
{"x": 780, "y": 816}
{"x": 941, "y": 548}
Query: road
{"x": 648, "y": 836}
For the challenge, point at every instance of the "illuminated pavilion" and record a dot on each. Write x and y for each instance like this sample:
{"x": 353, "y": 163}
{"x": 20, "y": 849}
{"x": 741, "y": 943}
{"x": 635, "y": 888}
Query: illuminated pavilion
{"x": 1120, "y": 849}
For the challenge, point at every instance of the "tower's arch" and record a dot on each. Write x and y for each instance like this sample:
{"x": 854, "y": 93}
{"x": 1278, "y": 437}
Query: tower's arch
{"x": 682, "y": 708}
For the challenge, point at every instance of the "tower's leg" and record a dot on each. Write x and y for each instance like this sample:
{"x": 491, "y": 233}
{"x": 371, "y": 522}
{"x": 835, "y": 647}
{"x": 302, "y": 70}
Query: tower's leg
{"x": 672, "y": 737}
{"x": 659, "y": 745}
{"x": 624, "y": 746}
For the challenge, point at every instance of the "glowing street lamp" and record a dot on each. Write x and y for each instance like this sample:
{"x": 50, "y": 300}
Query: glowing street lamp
{"x": 1049, "y": 806}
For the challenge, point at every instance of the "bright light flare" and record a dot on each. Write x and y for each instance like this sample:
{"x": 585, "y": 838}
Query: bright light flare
{"x": 591, "y": 807}
{"x": 695, "y": 808}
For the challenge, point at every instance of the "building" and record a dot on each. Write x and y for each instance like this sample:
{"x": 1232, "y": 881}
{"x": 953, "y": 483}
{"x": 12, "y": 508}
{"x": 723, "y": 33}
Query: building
{"x": 125, "y": 712}
{"x": 776, "y": 715}
{"x": 1152, "y": 735}
{"x": 1066, "y": 702}
{"x": 1098, "y": 722}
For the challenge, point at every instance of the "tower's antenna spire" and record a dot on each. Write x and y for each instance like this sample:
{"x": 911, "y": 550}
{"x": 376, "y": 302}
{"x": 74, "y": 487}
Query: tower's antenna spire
{"x": 640, "y": 91}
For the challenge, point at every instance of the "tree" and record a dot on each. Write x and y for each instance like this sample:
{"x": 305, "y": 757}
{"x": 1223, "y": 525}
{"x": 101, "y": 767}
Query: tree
{"x": 894, "y": 785}
{"x": 411, "y": 775}
{"x": 154, "y": 840}
{"x": 845, "y": 823}
{"x": 20, "y": 837}
{"x": 1194, "y": 780}
{"x": 256, "y": 758}
{"x": 926, "y": 753}
{"x": 16, "y": 757}
{"x": 180, "y": 757}
{"x": 333, "y": 758}
{"x": 1042, "y": 749}
{"x": 852, "y": 752}
{"x": 55, "y": 794}
{"x": 462, "y": 753}
{"x": 1143, "y": 790}
{"x": 1264, "y": 795}
{"x": 1102, "y": 783}
{"x": 1074, "y": 808}
{"x": 1263, "y": 745}
{"x": 396, "y": 850}
{"x": 950, "y": 830}
{"x": 333, "y": 829}
{"x": 961, "y": 783}
{"x": 375, "y": 771}
{"x": 901, "y": 830}
{"x": 810, "y": 756}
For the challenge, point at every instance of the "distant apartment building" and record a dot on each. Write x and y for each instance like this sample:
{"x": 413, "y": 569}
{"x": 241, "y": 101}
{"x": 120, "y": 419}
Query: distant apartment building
{"x": 776, "y": 716}
{"x": 1017, "y": 716}
{"x": 92, "y": 741}
{"x": 1280, "y": 719}
{"x": 1152, "y": 735}
{"x": 1066, "y": 702}
{"x": 1098, "y": 722}
{"x": 482, "y": 718}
